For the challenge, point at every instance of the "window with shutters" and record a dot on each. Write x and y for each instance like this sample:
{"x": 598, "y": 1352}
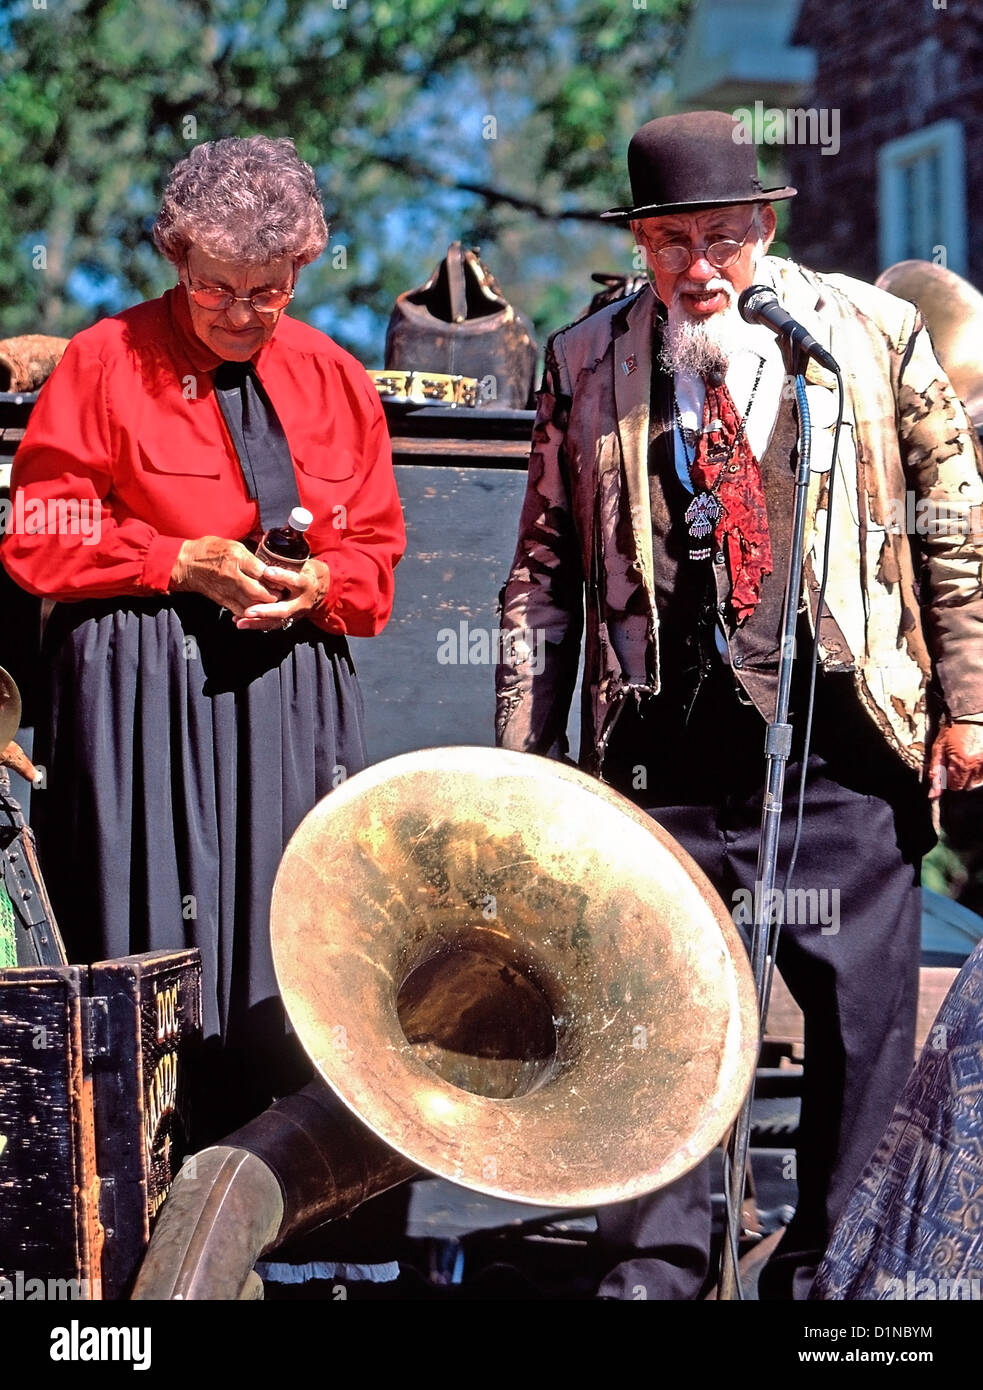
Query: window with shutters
{"x": 922, "y": 197}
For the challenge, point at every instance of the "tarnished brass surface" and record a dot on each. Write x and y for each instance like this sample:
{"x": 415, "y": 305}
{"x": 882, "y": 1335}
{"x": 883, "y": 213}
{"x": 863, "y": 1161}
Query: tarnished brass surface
{"x": 302, "y": 1162}
{"x": 9, "y": 708}
{"x": 953, "y": 311}
{"x": 514, "y": 977}
{"x": 325, "y": 1161}
{"x": 221, "y": 1212}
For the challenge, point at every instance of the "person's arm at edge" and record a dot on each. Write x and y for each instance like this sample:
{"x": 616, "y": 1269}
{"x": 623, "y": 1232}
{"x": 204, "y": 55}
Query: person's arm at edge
{"x": 542, "y": 600}
{"x": 945, "y": 465}
{"x": 63, "y": 469}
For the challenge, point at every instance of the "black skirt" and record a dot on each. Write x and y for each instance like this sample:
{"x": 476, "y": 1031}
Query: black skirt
{"x": 181, "y": 754}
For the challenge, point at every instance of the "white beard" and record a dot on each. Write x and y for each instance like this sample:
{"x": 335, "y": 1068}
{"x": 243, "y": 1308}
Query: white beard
{"x": 699, "y": 348}
{"x": 704, "y": 346}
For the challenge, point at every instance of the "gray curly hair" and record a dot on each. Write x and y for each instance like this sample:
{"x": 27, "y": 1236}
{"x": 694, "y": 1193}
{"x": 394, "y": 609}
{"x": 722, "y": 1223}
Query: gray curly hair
{"x": 251, "y": 200}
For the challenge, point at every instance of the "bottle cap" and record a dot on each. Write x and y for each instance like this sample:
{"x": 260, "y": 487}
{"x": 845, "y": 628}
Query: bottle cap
{"x": 301, "y": 518}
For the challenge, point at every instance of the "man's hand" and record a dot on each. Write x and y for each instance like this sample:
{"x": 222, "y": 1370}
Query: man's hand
{"x": 223, "y": 571}
{"x": 956, "y": 762}
{"x": 306, "y": 588}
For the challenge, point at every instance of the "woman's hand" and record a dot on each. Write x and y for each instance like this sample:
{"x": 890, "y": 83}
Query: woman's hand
{"x": 224, "y": 571}
{"x": 305, "y": 589}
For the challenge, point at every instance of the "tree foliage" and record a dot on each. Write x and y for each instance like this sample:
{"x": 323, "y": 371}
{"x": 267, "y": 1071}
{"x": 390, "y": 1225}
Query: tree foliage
{"x": 499, "y": 121}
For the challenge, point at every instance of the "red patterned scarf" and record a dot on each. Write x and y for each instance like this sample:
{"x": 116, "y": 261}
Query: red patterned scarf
{"x": 742, "y": 530}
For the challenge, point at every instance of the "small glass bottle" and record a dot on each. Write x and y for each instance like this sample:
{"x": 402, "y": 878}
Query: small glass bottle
{"x": 287, "y": 546}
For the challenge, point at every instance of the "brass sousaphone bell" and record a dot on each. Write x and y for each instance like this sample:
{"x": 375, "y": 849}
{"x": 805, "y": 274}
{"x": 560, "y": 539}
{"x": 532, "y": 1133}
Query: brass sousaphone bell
{"x": 11, "y": 754}
{"x": 953, "y": 312}
{"x": 10, "y": 708}
{"x": 508, "y": 975}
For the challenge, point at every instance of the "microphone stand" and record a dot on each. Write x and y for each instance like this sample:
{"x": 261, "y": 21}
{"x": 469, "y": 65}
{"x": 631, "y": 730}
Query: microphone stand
{"x": 778, "y": 745}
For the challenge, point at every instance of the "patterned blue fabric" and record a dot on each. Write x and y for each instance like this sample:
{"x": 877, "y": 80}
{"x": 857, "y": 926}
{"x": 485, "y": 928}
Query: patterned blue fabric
{"x": 328, "y": 1269}
{"x": 913, "y": 1227}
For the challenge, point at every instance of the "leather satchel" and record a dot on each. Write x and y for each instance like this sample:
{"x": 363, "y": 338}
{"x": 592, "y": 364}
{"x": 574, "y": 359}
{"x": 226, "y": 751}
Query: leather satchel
{"x": 27, "y": 362}
{"x": 461, "y": 324}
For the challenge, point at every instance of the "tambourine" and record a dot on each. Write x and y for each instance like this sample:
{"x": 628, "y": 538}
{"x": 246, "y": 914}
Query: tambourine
{"x": 426, "y": 388}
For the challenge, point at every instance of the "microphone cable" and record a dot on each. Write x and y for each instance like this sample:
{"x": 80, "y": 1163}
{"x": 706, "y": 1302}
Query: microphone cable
{"x": 775, "y": 932}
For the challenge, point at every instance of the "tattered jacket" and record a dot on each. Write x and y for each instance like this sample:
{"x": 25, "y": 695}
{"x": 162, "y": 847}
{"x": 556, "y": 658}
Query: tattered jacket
{"x": 903, "y": 613}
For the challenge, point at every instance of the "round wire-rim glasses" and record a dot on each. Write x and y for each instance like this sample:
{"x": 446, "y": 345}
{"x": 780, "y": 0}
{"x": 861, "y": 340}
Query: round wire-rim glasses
{"x": 263, "y": 301}
{"x": 676, "y": 256}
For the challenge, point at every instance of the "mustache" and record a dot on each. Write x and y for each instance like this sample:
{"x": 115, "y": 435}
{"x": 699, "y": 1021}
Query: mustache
{"x": 711, "y": 287}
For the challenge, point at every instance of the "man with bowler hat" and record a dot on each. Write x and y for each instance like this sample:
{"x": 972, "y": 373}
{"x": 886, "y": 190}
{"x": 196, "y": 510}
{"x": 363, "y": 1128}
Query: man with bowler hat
{"x": 659, "y": 505}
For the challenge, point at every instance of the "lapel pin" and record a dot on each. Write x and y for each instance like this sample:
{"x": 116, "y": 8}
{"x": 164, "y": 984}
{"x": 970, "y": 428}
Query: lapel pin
{"x": 629, "y": 364}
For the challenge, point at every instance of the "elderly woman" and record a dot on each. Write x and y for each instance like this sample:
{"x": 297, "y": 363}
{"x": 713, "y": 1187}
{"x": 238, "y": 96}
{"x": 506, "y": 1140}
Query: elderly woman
{"x": 201, "y": 702}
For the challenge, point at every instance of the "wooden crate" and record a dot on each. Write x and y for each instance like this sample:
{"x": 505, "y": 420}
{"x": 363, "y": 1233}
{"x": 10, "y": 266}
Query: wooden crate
{"x": 92, "y": 1114}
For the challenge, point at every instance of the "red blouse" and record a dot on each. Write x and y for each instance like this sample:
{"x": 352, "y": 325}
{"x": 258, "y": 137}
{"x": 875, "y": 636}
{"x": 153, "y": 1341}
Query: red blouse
{"x": 127, "y": 429}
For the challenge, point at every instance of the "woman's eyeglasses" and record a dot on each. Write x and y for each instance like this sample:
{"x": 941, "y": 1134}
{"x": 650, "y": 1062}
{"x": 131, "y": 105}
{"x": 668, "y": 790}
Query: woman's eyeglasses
{"x": 677, "y": 256}
{"x": 263, "y": 301}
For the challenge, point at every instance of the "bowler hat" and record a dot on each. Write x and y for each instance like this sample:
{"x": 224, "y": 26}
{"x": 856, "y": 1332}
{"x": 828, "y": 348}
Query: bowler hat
{"x": 700, "y": 159}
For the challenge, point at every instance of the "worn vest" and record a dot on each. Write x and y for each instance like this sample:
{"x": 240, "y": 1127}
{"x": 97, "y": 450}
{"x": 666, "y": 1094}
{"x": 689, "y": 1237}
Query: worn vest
{"x": 705, "y": 728}
{"x": 690, "y": 595}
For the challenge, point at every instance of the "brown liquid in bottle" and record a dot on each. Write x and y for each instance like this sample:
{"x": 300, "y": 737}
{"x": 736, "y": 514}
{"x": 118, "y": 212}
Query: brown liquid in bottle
{"x": 286, "y": 546}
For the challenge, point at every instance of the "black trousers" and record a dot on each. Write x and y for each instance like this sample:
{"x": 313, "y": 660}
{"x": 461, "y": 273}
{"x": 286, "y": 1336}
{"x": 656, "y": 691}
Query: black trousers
{"x": 853, "y": 969}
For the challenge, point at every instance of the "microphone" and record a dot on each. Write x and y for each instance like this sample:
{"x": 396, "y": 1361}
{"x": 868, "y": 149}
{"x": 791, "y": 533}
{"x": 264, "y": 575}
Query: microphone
{"x": 759, "y": 304}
